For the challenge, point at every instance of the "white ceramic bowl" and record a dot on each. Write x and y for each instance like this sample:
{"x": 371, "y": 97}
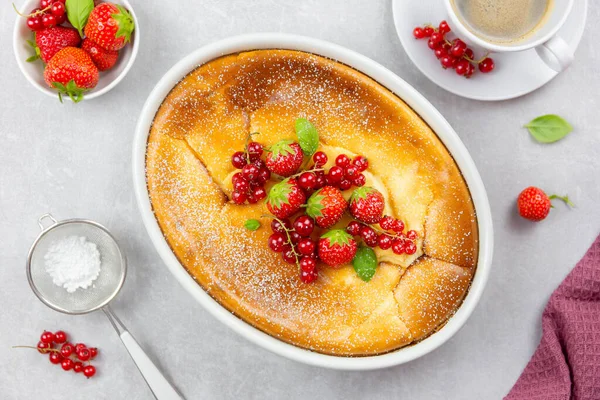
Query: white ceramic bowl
{"x": 387, "y": 79}
{"x": 34, "y": 72}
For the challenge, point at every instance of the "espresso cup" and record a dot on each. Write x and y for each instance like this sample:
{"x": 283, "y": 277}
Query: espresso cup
{"x": 551, "y": 48}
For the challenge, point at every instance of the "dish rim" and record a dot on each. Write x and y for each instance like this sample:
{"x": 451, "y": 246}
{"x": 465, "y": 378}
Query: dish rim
{"x": 390, "y": 81}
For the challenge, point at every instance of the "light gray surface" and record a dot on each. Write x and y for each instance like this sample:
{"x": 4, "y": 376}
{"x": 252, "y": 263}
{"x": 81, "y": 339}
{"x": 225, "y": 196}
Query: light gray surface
{"x": 75, "y": 162}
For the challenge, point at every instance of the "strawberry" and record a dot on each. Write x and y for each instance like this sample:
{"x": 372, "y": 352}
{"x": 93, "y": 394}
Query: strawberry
{"x": 103, "y": 59}
{"x": 50, "y": 41}
{"x": 534, "y": 204}
{"x": 72, "y": 72}
{"x": 326, "y": 206}
{"x": 285, "y": 198}
{"x": 284, "y": 158}
{"x": 337, "y": 248}
{"x": 110, "y": 26}
{"x": 367, "y": 204}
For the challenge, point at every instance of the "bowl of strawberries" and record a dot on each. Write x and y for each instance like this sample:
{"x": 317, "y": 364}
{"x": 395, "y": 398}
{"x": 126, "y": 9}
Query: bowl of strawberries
{"x": 75, "y": 49}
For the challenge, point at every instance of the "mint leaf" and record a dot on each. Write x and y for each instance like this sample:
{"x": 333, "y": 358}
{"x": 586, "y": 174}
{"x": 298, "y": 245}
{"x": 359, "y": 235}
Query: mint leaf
{"x": 308, "y": 137}
{"x": 78, "y": 12}
{"x": 549, "y": 128}
{"x": 252, "y": 224}
{"x": 365, "y": 263}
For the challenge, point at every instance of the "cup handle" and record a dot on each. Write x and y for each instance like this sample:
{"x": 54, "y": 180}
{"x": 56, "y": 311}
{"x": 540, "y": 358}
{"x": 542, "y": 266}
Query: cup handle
{"x": 555, "y": 53}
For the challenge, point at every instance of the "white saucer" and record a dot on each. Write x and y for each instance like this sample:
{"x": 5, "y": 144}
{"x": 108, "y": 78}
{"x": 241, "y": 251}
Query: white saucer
{"x": 515, "y": 74}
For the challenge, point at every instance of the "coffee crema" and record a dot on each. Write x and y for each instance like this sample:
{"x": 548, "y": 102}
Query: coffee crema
{"x": 502, "y": 21}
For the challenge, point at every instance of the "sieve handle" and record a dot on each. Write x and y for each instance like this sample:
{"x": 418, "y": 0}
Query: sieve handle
{"x": 44, "y": 217}
{"x": 160, "y": 387}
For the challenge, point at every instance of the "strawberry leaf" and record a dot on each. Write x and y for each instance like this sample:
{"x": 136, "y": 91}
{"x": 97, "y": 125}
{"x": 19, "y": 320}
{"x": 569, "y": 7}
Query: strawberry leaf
{"x": 314, "y": 205}
{"x": 279, "y": 194}
{"x": 71, "y": 89}
{"x": 365, "y": 263}
{"x": 549, "y": 128}
{"x": 337, "y": 236}
{"x": 78, "y": 12}
{"x": 282, "y": 148}
{"x": 125, "y": 22}
{"x": 252, "y": 224}
{"x": 361, "y": 193}
{"x": 308, "y": 137}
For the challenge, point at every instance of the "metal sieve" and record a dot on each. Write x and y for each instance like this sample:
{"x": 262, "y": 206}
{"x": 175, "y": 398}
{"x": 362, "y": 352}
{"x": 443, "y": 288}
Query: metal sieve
{"x": 105, "y": 288}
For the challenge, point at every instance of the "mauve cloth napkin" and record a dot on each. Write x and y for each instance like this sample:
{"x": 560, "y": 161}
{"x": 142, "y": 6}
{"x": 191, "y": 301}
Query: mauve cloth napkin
{"x": 566, "y": 364}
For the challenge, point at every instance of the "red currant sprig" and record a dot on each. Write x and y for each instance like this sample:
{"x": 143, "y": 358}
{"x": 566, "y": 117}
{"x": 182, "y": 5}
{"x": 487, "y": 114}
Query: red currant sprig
{"x": 69, "y": 357}
{"x": 453, "y": 54}
{"x": 389, "y": 236}
{"x": 249, "y": 183}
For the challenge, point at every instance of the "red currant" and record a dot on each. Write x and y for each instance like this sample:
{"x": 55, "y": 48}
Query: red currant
{"x": 259, "y": 193}
{"x": 250, "y": 172}
{"x": 43, "y": 347}
{"x": 432, "y": 45}
{"x": 238, "y": 159}
{"x": 384, "y": 242}
{"x": 386, "y": 223}
{"x": 66, "y": 350}
{"x": 447, "y": 61}
{"x": 444, "y": 27}
{"x": 418, "y": 33}
{"x": 78, "y": 367}
{"x": 354, "y": 228}
{"x": 93, "y": 352}
{"x": 320, "y": 159}
{"x": 304, "y": 225}
{"x": 306, "y": 246}
{"x": 288, "y": 255}
{"x": 58, "y": 9}
{"x": 307, "y": 181}
{"x": 35, "y": 23}
{"x": 470, "y": 70}
{"x": 410, "y": 248}
{"x": 251, "y": 198}
{"x": 359, "y": 180}
{"x": 335, "y": 175}
{"x": 79, "y": 346}
{"x": 369, "y": 236}
{"x": 60, "y": 337}
{"x": 351, "y": 172}
{"x": 361, "y": 163}
{"x": 461, "y": 67}
{"x": 45, "y": 3}
{"x": 321, "y": 180}
{"x": 278, "y": 228}
{"x": 67, "y": 364}
{"x": 307, "y": 264}
{"x": 398, "y": 246}
{"x": 89, "y": 371}
{"x": 458, "y": 48}
{"x": 486, "y": 65}
{"x": 308, "y": 277}
{"x": 263, "y": 176}
{"x": 84, "y": 354}
{"x": 436, "y": 37}
{"x": 342, "y": 161}
{"x": 469, "y": 54}
{"x": 260, "y": 164}
{"x": 295, "y": 237}
{"x": 239, "y": 197}
{"x": 345, "y": 184}
{"x": 47, "y": 337}
{"x": 255, "y": 150}
{"x": 412, "y": 235}
{"x": 398, "y": 226}
{"x": 61, "y": 19}
{"x": 48, "y": 20}
{"x": 241, "y": 185}
{"x": 55, "y": 358}
{"x": 440, "y": 52}
{"x": 277, "y": 242}
{"x": 428, "y": 31}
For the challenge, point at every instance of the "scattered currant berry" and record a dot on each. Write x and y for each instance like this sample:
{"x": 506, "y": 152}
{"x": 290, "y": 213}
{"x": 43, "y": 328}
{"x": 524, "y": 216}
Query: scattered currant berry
{"x": 66, "y": 350}
{"x": 277, "y": 227}
{"x": 67, "y": 364}
{"x": 369, "y": 236}
{"x": 342, "y": 161}
{"x": 307, "y": 181}
{"x": 47, "y": 337}
{"x": 304, "y": 225}
{"x": 486, "y": 65}
{"x": 60, "y": 337}
{"x": 320, "y": 159}
{"x": 78, "y": 367}
{"x": 384, "y": 241}
{"x": 43, "y": 347}
{"x": 410, "y": 248}
{"x": 89, "y": 371}
{"x": 277, "y": 242}
{"x": 458, "y": 48}
{"x": 55, "y": 358}
{"x": 306, "y": 246}
{"x": 444, "y": 27}
{"x": 418, "y": 33}
{"x": 354, "y": 228}
{"x": 238, "y": 159}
